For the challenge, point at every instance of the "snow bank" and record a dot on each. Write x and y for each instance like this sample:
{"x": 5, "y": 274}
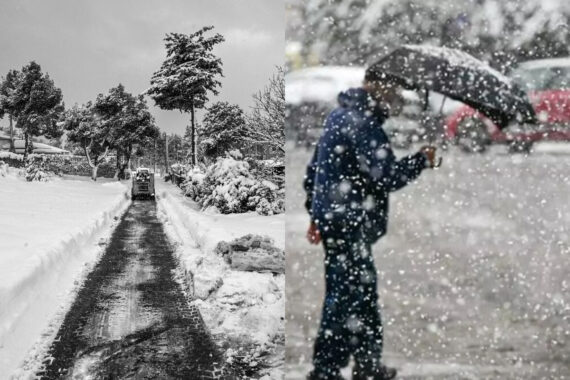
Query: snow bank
{"x": 50, "y": 231}
{"x": 243, "y": 307}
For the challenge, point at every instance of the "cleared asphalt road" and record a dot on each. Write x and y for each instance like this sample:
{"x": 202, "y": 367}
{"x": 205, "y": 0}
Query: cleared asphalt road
{"x": 474, "y": 274}
{"x": 131, "y": 320}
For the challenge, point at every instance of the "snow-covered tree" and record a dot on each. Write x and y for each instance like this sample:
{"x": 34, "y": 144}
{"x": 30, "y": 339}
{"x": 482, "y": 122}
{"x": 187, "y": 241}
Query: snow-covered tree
{"x": 130, "y": 123}
{"x": 361, "y": 31}
{"x": 176, "y": 149}
{"x": 266, "y": 123}
{"x": 222, "y": 129}
{"x": 37, "y": 105}
{"x": 189, "y": 73}
{"x": 8, "y": 88}
{"x": 84, "y": 127}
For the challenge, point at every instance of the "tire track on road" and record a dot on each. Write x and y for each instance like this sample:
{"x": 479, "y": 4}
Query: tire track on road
{"x": 130, "y": 319}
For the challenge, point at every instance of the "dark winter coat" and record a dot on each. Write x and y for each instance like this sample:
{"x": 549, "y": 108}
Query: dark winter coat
{"x": 354, "y": 169}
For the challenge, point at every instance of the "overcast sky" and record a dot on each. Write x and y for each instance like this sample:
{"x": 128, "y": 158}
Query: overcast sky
{"x": 88, "y": 47}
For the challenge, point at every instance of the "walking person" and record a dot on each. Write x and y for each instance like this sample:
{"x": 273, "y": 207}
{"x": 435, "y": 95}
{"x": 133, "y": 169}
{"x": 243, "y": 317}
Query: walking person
{"x": 348, "y": 181}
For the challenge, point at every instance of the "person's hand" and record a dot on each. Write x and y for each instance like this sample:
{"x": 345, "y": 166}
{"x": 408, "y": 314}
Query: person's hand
{"x": 313, "y": 234}
{"x": 429, "y": 152}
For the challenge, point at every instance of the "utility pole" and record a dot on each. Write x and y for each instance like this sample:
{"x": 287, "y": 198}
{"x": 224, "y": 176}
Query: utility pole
{"x": 154, "y": 156}
{"x": 166, "y": 154}
{"x": 193, "y": 143}
{"x": 12, "y": 146}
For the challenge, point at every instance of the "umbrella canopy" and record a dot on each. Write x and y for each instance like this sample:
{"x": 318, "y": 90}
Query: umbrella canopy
{"x": 459, "y": 76}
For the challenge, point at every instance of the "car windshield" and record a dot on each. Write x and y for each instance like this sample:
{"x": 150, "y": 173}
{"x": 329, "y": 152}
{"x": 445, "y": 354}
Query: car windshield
{"x": 543, "y": 78}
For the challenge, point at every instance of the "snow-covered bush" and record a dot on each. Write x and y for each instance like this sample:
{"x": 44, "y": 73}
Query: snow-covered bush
{"x": 192, "y": 186}
{"x": 36, "y": 169}
{"x": 229, "y": 186}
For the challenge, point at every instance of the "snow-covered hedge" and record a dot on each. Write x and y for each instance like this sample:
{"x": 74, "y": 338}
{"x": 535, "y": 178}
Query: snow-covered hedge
{"x": 12, "y": 156}
{"x": 229, "y": 186}
{"x": 62, "y": 164}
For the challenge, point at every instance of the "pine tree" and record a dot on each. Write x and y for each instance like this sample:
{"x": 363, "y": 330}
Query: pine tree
{"x": 37, "y": 105}
{"x": 188, "y": 74}
{"x": 223, "y": 128}
{"x": 7, "y": 97}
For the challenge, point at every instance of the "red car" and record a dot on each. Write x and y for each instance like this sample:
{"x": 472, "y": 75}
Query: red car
{"x": 547, "y": 82}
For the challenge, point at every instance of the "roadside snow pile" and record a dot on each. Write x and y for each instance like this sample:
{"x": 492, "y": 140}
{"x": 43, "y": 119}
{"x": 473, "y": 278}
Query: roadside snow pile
{"x": 242, "y": 302}
{"x": 229, "y": 186}
{"x": 253, "y": 253}
{"x": 50, "y": 231}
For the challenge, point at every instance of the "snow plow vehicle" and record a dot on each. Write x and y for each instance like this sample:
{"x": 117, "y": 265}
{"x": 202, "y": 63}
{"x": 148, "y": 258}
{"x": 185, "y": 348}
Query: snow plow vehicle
{"x": 143, "y": 184}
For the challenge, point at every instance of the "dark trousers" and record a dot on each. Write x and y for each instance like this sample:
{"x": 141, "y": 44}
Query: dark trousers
{"x": 350, "y": 323}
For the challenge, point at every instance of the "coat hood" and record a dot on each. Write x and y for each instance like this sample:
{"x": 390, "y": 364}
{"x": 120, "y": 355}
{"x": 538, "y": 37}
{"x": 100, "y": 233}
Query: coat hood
{"x": 359, "y": 99}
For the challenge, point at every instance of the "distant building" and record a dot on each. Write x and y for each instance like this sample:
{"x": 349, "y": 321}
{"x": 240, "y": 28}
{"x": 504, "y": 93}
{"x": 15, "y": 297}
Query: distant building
{"x": 38, "y": 148}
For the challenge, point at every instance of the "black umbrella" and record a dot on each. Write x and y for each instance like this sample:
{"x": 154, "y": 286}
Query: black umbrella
{"x": 459, "y": 76}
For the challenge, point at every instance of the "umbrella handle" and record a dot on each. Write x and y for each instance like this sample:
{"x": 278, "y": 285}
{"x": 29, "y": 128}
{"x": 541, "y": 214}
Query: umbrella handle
{"x": 438, "y": 163}
{"x": 438, "y": 159}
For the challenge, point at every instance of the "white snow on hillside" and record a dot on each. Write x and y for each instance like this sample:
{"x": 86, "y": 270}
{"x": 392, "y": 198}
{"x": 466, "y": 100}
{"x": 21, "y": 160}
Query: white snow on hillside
{"x": 50, "y": 232}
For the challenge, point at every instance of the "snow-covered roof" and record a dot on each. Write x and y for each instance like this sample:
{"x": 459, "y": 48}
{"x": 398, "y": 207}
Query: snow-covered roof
{"x": 545, "y": 63}
{"x": 39, "y": 148}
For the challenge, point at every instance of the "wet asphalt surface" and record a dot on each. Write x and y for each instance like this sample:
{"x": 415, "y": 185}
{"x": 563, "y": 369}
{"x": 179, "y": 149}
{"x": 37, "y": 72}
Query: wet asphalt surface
{"x": 130, "y": 319}
{"x": 473, "y": 274}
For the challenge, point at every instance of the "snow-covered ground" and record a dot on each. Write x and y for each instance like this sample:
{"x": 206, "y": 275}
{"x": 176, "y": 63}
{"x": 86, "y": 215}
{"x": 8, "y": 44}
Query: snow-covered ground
{"x": 243, "y": 307}
{"x": 50, "y": 234}
{"x": 473, "y": 273}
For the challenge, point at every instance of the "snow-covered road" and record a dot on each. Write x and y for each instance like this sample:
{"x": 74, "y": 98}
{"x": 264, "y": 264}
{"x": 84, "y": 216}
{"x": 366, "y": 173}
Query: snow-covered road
{"x": 474, "y": 274}
{"x": 49, "y": 236}
{"x": 131, "y": 319}
{"x": 244, "y": 309}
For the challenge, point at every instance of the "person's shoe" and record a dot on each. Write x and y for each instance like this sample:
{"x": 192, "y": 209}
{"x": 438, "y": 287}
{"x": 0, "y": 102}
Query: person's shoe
{"x": 320, "y": 376}
{"x": 383, "y": 373}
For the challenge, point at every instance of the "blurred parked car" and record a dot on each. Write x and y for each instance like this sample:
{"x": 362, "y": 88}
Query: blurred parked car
{"x": 312, "y": 92}
{"x": 547, "y": 82}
